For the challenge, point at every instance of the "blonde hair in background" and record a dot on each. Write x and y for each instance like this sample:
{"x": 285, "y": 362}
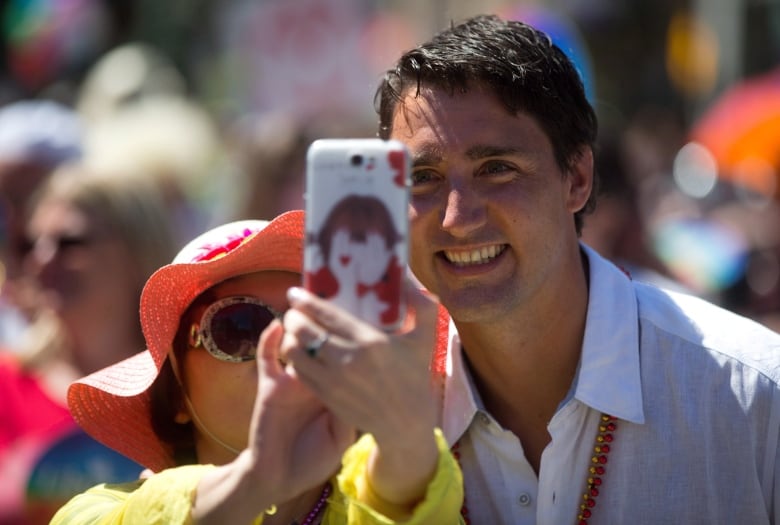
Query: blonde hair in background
{"x": 128, "y": 207}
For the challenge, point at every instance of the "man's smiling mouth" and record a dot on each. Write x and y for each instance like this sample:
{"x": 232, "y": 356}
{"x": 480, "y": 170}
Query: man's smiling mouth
{"x": 474, "y": 257}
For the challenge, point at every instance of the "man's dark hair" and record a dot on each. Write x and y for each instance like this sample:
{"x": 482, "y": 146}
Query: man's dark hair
{"x": 522, "y": 66}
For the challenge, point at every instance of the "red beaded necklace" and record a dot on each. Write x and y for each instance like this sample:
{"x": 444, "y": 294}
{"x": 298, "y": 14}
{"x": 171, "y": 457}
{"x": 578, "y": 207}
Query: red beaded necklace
{"x": 604, "y": 438}
{"x": 595, "y": 479}
{"x": 597, "y": 469}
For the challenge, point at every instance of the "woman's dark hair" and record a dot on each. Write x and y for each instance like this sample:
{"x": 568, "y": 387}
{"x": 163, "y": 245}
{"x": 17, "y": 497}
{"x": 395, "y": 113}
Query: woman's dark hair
{"x": 520, "y": 64}
{"x": 166, "y": 392}
{"x": 166, "y": 400}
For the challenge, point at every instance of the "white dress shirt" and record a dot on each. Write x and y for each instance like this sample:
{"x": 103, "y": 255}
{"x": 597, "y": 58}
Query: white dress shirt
{"x": 695, "y": 391}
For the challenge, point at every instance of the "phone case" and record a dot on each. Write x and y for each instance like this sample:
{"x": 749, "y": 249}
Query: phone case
{"x": 357, "y": 193}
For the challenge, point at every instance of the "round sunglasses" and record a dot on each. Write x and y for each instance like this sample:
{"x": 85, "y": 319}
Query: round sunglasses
{"x": 231, "y": 327}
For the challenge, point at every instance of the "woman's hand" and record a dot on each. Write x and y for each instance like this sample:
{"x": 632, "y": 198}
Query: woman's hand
{"x": 295, "y": 444}
{"x": 376, "y": 381}
{"x": 295, "y": 441}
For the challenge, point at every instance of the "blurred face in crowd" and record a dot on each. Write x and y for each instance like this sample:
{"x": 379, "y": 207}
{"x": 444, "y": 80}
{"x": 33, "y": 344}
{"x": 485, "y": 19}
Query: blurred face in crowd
{"x": 18, "y": 181}
{"x": 87, "y": 276}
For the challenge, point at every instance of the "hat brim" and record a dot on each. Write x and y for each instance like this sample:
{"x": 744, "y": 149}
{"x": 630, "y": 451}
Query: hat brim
{"x": 113, "y": 404}
{"x": 171, "y": 289}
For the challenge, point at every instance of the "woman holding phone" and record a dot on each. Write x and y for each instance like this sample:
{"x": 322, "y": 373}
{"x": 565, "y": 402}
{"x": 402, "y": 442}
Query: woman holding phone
{"x": 228, "y": 432}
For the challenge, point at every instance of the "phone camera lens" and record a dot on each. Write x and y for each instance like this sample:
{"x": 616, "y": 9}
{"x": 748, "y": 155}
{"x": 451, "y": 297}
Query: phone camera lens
{"x": 356, "y": 160}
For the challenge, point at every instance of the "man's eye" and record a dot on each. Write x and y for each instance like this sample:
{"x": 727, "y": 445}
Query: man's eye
{"x": 423, "y": 177}
{"x": 496, "y": 167}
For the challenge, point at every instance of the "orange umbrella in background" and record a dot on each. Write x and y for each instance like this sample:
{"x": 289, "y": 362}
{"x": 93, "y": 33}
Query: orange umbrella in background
{"x": 742, "y": 131}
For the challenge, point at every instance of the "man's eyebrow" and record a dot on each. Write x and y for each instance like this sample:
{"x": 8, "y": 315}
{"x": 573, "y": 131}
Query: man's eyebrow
{"x": 481, "y": 151}
{"x": 431, "y": 154}
{"x": 427, "y": 155}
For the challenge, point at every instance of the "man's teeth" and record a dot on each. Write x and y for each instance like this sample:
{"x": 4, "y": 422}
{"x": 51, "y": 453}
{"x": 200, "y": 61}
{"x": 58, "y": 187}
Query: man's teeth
{"x": 471, "y": 257}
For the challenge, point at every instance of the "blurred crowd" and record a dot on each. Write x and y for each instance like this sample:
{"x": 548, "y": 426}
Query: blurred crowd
{"x": 101, "y": 186}
{"x": 94, "y": 197}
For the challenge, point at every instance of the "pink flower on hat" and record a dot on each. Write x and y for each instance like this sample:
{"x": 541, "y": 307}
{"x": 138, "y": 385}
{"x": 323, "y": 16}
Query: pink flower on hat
{"x": 214, "y": 251}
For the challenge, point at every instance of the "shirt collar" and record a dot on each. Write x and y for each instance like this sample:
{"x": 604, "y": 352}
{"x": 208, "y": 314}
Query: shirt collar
{"x": 608, "y": 379}
{"x": 460, "y": 404}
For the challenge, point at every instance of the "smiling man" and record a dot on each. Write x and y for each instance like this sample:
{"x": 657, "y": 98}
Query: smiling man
{"x": 572, "y": 393}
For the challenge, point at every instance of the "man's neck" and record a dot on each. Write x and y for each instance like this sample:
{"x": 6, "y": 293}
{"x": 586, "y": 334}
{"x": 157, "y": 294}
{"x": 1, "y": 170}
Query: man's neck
{"x": 523, "y": 389}
{"x": 523, "y": 365}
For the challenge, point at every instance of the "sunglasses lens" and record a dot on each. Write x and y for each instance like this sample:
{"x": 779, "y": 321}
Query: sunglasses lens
{"x": 236, "y": 328}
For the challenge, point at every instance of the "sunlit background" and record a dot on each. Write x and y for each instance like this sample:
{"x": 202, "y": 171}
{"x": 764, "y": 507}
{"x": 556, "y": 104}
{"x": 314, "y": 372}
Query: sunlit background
{"x": 687, "y": 92}
{"x": 214, "y": 103}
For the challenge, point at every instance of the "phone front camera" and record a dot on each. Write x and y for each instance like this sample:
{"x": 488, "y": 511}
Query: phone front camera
{"x": 356, "y": 160}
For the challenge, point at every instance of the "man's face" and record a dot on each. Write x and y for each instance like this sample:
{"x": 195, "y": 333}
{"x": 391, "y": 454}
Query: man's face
{"x": 491, "y": 211}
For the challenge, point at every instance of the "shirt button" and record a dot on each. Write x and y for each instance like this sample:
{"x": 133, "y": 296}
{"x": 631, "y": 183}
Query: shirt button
{"x": 484, "y": 419}
{"x": 524, "y": 499}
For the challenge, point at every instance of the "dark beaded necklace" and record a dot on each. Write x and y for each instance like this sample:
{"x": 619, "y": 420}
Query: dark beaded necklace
{"x": 318, "y": 507}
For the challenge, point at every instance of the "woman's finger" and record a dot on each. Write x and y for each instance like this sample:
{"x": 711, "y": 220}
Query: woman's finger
{"x": 268, "y": 356}
{"x": 333, "y": 319}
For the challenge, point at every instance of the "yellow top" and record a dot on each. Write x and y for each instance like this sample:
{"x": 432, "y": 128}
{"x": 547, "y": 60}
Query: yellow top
{"x": 167, "y": 497}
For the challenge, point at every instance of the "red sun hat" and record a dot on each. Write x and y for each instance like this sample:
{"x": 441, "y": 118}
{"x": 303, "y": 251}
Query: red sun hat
{"x": 113, "y": 405}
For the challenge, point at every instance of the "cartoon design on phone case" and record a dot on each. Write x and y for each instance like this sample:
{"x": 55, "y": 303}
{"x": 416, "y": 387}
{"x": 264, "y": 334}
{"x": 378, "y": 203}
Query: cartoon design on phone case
{"x": 356, "y": 250}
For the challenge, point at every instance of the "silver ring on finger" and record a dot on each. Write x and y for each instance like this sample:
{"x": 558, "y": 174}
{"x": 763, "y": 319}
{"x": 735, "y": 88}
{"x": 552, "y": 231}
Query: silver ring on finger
{"x": 313, "y": 348}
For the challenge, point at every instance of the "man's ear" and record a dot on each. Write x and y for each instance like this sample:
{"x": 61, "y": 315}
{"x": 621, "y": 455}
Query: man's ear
{"x": 581, "y": 179}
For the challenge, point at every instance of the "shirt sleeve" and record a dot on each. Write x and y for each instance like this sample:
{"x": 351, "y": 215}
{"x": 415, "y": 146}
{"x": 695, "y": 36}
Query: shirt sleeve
{"x": 165, "y": 497}
{"x": 771, "y": 481}
{"x": 441, "y": 504}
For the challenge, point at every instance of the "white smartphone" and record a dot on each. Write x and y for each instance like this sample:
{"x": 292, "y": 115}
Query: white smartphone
{"x": 356, "y": 248}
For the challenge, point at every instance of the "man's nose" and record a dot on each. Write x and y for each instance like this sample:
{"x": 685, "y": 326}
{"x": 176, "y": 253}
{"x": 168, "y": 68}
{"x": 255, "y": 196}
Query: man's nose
{"x": 464, "y": 211}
